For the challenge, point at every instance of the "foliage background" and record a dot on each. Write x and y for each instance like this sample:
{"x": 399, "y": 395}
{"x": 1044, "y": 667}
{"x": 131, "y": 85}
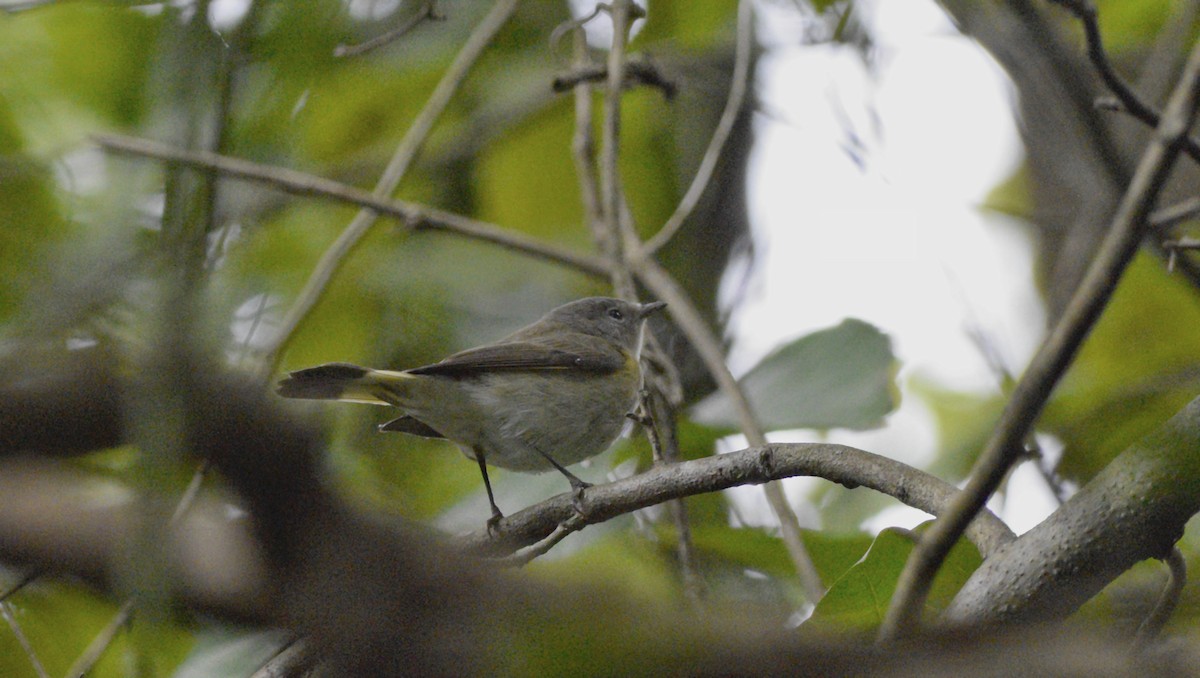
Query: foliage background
{"x": 77, "y": 224}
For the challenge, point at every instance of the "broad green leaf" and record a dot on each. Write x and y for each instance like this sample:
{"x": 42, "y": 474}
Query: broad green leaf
{"x": 841, "y": 377}
{"x": 858, "y": 601}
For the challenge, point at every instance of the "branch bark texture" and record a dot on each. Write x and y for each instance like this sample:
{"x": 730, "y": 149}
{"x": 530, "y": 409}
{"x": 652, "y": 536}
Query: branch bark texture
{"x": 1135, "y": 509}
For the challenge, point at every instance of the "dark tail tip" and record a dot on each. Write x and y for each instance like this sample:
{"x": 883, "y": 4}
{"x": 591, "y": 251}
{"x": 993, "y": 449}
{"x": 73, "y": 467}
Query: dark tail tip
{"x": 323, "y": 382}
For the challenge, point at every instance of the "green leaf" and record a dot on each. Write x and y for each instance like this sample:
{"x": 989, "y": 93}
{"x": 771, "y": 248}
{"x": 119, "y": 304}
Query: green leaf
{"x": 841, "y": 377}
{"x": 858, "y": 601}
{"x": 832, "y": 554}
{"x": 964, "y": 423}
{"x": 1137, "y": 369}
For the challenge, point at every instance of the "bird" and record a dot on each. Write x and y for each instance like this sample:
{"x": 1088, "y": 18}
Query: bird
{"x": 549, "y": 395}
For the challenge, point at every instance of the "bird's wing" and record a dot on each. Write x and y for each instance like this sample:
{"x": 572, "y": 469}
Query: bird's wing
{"x": 522, "y": 356}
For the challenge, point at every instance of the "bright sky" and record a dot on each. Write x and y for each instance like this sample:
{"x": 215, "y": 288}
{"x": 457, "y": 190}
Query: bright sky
{"x": 865, "y": 186}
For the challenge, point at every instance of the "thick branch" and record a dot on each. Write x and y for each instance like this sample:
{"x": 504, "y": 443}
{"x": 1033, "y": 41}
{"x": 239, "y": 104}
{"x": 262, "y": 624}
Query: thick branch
{"x": 1133, "y": 510}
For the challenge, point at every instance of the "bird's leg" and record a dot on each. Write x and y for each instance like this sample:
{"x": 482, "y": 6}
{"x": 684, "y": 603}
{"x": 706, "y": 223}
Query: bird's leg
{"x": 487, "y": 484}
{"x": 577, "y": 485}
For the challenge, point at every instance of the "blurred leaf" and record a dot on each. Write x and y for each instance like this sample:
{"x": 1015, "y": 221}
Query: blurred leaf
{"x": 29, "y": 218}
{"x": 858, "y": 601}
{"x": 88, "y": 57}
{"x": 964, "y": 423}
{"x": 694, "y": 24}
{"x": 1137, "y": 368}
{"x": 1131, "y": 25}
{"x": 1012, "y": 195}
{"x": 61, "y": 620}
{"x": 622, "y": 560}
{"x": 841, "y": 377}
{"x": 515, "y": 175}
{"x": 832, "y": 554}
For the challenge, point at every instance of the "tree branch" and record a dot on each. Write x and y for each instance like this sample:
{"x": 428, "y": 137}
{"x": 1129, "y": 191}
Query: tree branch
{"x": 1131, "y": 103}
{"x": 1135, "y": 509}
{"x": 753, "y": 466}
{"x": 413, "y": 215}
{"x": 428, "y": 11}
{"x": 1053, "y": 357}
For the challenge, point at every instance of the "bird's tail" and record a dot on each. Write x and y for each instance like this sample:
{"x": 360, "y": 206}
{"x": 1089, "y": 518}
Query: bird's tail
{"x": 347, "y": 382}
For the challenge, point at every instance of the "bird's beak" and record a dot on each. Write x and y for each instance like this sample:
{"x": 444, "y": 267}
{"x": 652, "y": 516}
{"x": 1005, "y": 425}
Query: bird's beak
{"x": 653, "y": 307}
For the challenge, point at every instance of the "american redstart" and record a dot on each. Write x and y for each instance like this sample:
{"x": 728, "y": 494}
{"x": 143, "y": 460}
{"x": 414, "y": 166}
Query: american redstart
{"x": 546, "y": 396}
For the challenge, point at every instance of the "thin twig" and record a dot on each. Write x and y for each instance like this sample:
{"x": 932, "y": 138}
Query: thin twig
{"x": 1167, "y": 600}
{"x": 611, "y": 241}
{"x": 1172, "y": 215}
{"x": 406, "y": 152}
{"x": 299, "y": 183}
{"x": 690, "y": 322}
{"x": 1182, "y": 244}
{"x": 1131, "y": 103}
{"x": 526, "y": 555}
{"x": 636, "y": 72}
{"x": 22, "y": 639}
{"x": 190, "y": 493}
{"x": 24, "y": 580}
{"x": 1053, "y": 357}
{"x": 1004, "y": 377}
{"x": 653, "y": 407}
{"x": 733, "y": 106}
{"x": 664, "y": 380}
{"x": 428, "y": 11}
{"x": 95, "y": 650}
{"x": 583, "y": 147}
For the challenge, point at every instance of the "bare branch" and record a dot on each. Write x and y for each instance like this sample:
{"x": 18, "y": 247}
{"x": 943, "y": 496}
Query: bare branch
{"x": 1053, "y": 357}
{"x": 636, "y": 72}
{"x": 1130, "y": 102}
{"x": 688, "y": 319}
{"x": 837, "y": 463}
{"x": 299, "y": 183}
{"x": 428, "y": 11}
{"x": 613, "y": 242}
{"x": 95, "y": 650}
{"x": 22, "y": 640}
{"x": 1167, "y": 601}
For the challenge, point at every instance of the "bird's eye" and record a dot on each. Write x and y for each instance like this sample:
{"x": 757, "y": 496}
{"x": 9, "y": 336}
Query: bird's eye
{"x": 615, "y": 314}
